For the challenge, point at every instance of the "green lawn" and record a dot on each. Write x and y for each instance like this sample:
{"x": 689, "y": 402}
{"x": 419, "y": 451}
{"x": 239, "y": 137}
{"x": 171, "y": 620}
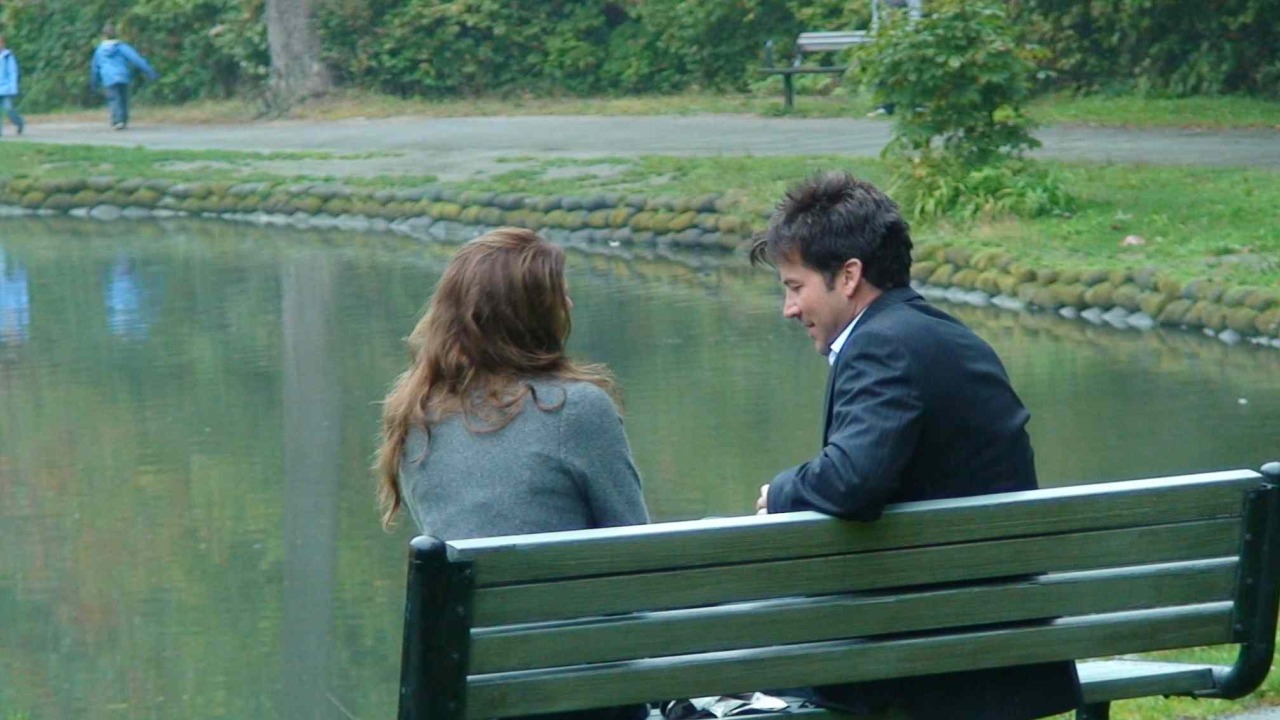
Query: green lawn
{"x": 817, "y": 97}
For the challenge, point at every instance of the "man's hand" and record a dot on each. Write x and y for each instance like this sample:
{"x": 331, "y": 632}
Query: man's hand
{"x": 762, "y": 504}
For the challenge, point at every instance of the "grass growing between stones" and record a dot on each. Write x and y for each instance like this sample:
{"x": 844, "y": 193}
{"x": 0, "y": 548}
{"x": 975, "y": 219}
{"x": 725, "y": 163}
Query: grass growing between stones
{"x": 818, "y": 97}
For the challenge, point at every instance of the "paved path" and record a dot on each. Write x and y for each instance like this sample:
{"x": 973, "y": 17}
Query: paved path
{"x": 458, "y": 147}
{"x": 1259, "y": 714}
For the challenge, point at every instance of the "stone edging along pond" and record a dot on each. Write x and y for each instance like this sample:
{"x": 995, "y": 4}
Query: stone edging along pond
{"x": 1141, "y": 298}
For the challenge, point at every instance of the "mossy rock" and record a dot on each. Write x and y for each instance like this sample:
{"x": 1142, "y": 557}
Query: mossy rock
{"x": 924, "y": 251}
{"x": 33, "y": 199}
{"x": 249, "y": 204}
{"x": 1008, "y": 284}
{"x": 1174, "y": 313}
{"x": 638, "y": 202}
{"x": 102, "y": 183}
{"x": 572, "y": 203}
{"x": 1262, "y": 300}
{"x": 989, "y": 282}
{"x": 683, "y": 221}
{"x": 661, "y": 222}
{"x": 21, "y": 186}
{"x": 1235, "y": 297}
{"x": 276, "y": 202}
{"x": 1044, "y": 296}
{"x": 708, "y": 203}
{"x": 575, "y": 219}
{"x": 1268, "y": 322}
{"x": 1215, "y": 317}
{"x": 145, "y": 197}
{"x": 1118, "y": 277}
{"x": 446, "y": 210}
{"x": 247, "y": 189}
{"x": 1069, "y": 294}
{"x": 1168, "y": 286}
{"x": 308, "y": 204}
{"x": 1241, "y": 319}
{"x": 1069, "y": 277}
{"x": 191, "y": 205}
{"x": 547, "y": 204}
{"x": 201, "y": 190}
{"x": 1046, "y": 276}
{"x": 1195, "y": 314}
{"x": 130, "y": 185}
{"x": 958, "y": 256}
{"x": 60, "y": 201}
{"x": 708, "y": 222}
{"x": 86, "y": 198}
{"x": 337, "y": 206}
{"x": 556, "y": 218}
{"x": 660, "y": 204}
{"x": 329, "y": 191}
{"x": 1153, "y": 302}
{"x": 921, "y": 271}
{"x": 645, "y": 237}
{"x": 1093, "y": 277}
{"x": 641, "y": 221}
{"x": 597, "y": 202}
{"x": 470, "y": 214}
{"x": 1100, "y": 295}
{"x": 620, "y": 216}
{"x": 598, "y": 219}
{"x": 515, "y": 218}
{"x": 729, "y": 224}
{"x": 368, "y": 208}
{"x": 942, "y": 275}
{"x": 966, "y": 278}
{"x": 1021, "y": 273}
{"x": 1026, "y": 291}
{"x": 490, "y": 215}
{"x": 985, "y": 259}
{"x": 230, "y": 203}
{"x": 1127, "y": 296}
{"x": 1146, "y": 277}
{"x": 1201, "y": 289}
{"x": 534, "y": 219}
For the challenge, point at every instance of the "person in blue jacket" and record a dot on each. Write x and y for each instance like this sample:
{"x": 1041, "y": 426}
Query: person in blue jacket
{"x": 9, "y": 87}
{"x": 111, "y": 70}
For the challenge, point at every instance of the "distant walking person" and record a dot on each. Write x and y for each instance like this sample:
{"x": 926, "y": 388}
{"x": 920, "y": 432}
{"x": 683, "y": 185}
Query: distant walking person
{"x": 9, "y": 88}
{"x": 111, "y": 70}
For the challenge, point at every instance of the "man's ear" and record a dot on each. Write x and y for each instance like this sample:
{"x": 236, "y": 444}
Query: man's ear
{"x": 850, "y": 277}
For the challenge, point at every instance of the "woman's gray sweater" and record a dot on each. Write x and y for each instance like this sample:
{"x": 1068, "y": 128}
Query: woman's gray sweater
{"x": 564, "y": 468}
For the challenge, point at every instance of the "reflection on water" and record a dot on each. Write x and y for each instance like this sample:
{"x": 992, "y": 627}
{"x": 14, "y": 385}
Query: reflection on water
{"x": 187, "y": 523}
{"x": 15, "y": 301}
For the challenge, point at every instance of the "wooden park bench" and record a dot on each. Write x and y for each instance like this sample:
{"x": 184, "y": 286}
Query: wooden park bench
{"x": 573, "y": 620}
{"x": 811, "y": 42}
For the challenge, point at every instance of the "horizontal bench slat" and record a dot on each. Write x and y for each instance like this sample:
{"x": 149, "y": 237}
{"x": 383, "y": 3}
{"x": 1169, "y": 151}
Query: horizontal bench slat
{"x": 1107, "y": 680}
{"x": 699, "y": 543}
{"x": 824, "y": 663}
{"x": 856, "y": 572}
{"x": 803, "y": 620}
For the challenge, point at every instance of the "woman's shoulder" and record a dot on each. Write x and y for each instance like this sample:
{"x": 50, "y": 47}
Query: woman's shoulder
{"x": 577, "y": 396}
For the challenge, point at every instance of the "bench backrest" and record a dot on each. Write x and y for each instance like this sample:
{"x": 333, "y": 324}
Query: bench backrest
{"x": 563, "y": 621}
{"x": 823, "y": 41}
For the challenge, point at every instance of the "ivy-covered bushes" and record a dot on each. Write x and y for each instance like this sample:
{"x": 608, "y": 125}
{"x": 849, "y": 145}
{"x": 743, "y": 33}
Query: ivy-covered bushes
{"x": 1174, "y": 47}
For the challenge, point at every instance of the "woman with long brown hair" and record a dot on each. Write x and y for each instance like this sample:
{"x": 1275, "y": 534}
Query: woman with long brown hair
{"x": 493, "y": 430}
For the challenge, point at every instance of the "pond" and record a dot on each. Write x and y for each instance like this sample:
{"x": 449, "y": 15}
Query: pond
{"x": 187, "y": 412}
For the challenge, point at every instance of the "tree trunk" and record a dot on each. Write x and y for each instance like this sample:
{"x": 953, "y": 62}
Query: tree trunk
{"x": 297, "y": 73}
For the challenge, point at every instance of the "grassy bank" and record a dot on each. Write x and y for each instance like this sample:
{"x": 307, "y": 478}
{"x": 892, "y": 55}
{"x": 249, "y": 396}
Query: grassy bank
{"x": 1191, "y": 222}
{"x": 821, "y": 98}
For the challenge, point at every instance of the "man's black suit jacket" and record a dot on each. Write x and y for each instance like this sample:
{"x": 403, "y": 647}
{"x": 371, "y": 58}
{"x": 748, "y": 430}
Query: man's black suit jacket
{"x": 918, "y": 408}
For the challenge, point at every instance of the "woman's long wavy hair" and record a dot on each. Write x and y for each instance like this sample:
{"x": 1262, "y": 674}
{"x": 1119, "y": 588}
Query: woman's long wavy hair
{"x": 499, "y": 317}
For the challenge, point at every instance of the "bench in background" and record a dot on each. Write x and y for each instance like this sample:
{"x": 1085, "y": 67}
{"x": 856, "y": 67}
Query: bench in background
{"x": 811, "y": 42}
{"x": 533, "y": 624}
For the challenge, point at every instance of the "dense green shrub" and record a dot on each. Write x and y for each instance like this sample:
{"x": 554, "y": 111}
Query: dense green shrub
{"x": 960, "y": 81}
{"x": 1178, "y": 47}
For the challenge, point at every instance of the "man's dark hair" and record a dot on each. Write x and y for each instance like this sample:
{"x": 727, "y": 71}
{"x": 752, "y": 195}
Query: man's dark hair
{"x": 833, "y": 217}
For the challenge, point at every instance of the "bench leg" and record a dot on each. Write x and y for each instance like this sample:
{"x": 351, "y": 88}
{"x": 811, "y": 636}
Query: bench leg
{"x": 1097, "y": 711}
{"x": 790, "y": 91}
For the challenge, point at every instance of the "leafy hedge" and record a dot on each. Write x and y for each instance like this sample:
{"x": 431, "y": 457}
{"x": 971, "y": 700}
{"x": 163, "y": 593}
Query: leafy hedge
{"x": 1174, "y": 47}
{"x": 434, "y": 48}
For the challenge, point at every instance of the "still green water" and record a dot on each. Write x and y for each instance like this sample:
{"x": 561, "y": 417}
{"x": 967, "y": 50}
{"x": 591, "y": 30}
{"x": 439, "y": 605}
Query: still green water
{"x": 187, "y": 527}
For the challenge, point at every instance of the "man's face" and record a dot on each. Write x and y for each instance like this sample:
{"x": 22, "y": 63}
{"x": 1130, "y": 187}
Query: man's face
{"x": 823, "y": 311}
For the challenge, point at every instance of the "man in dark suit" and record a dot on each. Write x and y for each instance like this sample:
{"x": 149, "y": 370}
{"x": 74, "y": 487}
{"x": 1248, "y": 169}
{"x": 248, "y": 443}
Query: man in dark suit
{"x": 917, "y": 408}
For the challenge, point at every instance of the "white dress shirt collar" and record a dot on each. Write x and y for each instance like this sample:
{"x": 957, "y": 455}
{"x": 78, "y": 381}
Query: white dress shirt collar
{"x": 843, "y": 337}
